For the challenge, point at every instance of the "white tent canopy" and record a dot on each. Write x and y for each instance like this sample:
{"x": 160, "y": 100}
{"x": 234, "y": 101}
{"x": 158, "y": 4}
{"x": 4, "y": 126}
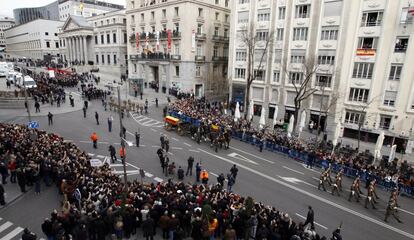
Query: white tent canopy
{"x": 275, "y": 116}
{"x": 262, "y": 121}
{"x": 378, "y": 146}
{"x": 290, "y": 127}
{"x": 250, "y": 112}
{"x": 302, "y": 121}
{"x": 237, "y": 112}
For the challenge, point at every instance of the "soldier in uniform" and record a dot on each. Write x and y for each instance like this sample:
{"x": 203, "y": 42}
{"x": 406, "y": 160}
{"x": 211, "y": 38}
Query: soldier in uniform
{"x": 354, "y": 192}
{"x": 358, "y": 191}
{"x": 339, "y": 179}
{"x": 370, "y": 197}
{"x": 338, "y": 182}
{"x": 322, "y": 180}
{"x": 391, "y": 210}
{"x": 328, "y": 175}
{"x": 372, "y": 184}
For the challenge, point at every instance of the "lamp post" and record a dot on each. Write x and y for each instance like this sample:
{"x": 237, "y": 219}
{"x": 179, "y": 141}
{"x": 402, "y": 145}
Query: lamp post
{"x": 26, "y": 102}
{"x": 121, "y": 126}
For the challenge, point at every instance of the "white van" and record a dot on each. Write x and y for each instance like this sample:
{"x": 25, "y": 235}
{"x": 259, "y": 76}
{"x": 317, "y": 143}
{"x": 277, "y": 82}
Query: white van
{"x": 28, "y": 82}
{"x": 10, "y": 66}
{"x": 3, "y": 69}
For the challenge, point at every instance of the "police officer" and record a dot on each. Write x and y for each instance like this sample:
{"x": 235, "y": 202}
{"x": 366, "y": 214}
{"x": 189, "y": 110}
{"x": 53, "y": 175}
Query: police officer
{"x": 180, "y": 173}
{"x": 96, "y": 117}
{"x": 137, "y": 137}
{"x": 190, "y": 162}
{"x": 84, "y": 111}
{"x": 156, "y": 102}
{"x": 220, "y": 179}
{"x": 50, "y": 118}
{"x": 322, "y": 180}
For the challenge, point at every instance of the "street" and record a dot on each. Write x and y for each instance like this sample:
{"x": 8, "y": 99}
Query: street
{"x": 271, "y": 178}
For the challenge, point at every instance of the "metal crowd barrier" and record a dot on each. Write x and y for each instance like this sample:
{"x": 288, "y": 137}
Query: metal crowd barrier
{"x": 304, "y": 157}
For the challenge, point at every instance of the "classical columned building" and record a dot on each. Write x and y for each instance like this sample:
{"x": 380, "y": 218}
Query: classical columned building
{"x": 75, "y": 38}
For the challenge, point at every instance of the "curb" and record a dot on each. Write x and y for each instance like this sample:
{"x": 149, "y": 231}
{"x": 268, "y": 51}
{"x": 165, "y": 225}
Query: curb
{"x": 15, "y": 199}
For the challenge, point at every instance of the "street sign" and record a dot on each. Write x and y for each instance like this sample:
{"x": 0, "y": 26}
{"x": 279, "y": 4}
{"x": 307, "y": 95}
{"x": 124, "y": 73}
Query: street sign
{"x": 96, "y": 162}
{"x": 33, "y": 124}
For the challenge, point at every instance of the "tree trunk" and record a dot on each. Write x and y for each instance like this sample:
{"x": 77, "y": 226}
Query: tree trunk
{"x": 246, "y": 99}
{"x": 359, "y": 135}
{"x": 296, "y": 114}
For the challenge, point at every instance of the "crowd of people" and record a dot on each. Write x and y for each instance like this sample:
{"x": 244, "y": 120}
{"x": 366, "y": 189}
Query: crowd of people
{"x": 96, "y": 203}
{"x": 209, "y": 114}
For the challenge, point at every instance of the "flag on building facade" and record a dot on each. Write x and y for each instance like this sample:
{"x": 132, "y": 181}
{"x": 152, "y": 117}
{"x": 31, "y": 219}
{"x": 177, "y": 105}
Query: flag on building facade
{"x": 157, "y": 35}
{"x": 169, "y": 40}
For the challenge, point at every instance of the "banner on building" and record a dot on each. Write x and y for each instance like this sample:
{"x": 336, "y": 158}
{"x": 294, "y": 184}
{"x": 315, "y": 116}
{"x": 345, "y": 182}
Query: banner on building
{"x": 146, "y": 40}
{"x": 193, "y": 41}
{"x": 157, "y": 34}
{"x": 169, "y": 40}
{"x": 137, "y": 41}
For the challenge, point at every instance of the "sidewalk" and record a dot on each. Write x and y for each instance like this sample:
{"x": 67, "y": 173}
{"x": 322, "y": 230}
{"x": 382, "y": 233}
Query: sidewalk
{"x": 12, "y": 192}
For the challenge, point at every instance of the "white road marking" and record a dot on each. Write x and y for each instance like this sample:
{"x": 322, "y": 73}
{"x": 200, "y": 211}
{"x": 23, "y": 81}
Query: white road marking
{"x": 147, "y": 174}
{"x": 116, "y": 165}
{"x": 5, "y": 226}
{"x": 106, "y": 160}
{"x": 172, "y": 154}
{"x": 175, "y": 139}
{"x": 100, "y": 156}
{"x": 128, "y": 172}
{"x": 192, "y": 150}
{"x": 155, "y": 146}
{"x": 241, "y": 157}
{"x": 158, "y": 179}
{"x": 320, "y": 225}
{"x": 152, "y": 129}
{"x": 91, "y": 154}
{"x": 291, "y": 179}
{"x": 253, "y": 155}
{"x": 177, "y": 148}
{"x": 310, "y": 169}
{"x": 188, "y": 145}
{"x": 293, "y": 170}
{"x": 333, "y": 204}
{"x": 406, "y": 211}
{"x": 12, "y": 234}
{"x": 213, "y": 174}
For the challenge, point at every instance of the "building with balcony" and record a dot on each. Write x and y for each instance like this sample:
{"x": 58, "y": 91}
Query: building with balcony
{"x": 37, "y": 39}
{"x": 359, "y": 49}
{"x": 85, "y": 8}
{"x": 180, "y": 45}
{"x": 99, "y": 41}
{"x": 5, "y": 23}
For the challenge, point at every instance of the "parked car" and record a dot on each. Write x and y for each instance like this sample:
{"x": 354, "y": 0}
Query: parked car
{"x": 29, "y": 82}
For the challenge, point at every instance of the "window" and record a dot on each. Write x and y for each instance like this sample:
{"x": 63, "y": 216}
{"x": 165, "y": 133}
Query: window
{"x": 108, "y": 38}
{"x": 302, "y": 11}
{"x": 200, "y": 12}
{"x": 243, "y": 17}
{"x": 323, "y": 81}
{"x": 401, "y": 44}
{"x": 260, "y": 74}
{"x": 133, "y": 19}
{"x": 217, "y": 2}
{"x": 198, "y": 71}
{"x": 241, "y": 55}
{"x": 262, "y": 35}
{"x": 115, "y": 61}
{"x": 48, "y": 44}
{"x": 300, "y": 34}
{"x": 135, "y": 67}
{"x": 177, "y": 27}
{"x": 257, "y": 109}
{"x": 363, "y": 70}
{"x": 226, "y": 32}
{"x": 295, "y": 78}
{"x": 57, "y": 44}
{"x": 243, "y": 1}
{"x": 217, "y": 16}
{"x": 389, "y": 98}
{"x": 354, "y": 117}
{"x": 279, "y": 34}
{"x": 297, "y": 59}
{"x": 385, "y": 122}
{"x": 164, "y": 13}
{"x": 176, "y": 12}
{"x": 113, "y": 20}
{"x": 406, "y": 17}
{"x": 46, "y": 33}
{"x": 282, "y": 12}
{"x": 358, "y": 95}
{"x": 215, "y": 51}
{"x": 114, "y": 37}
{"x": 142, "y": 17}
{"x": 329, "y": 33}
{"x": 367, "y": 42}
{"x": 152, "y": 15}
{"x": 103, "y": 59}
{"x": 278, "y": 55}
{"x": 102, "y": 39}
{"x": 370, "y": 19}
{"x": 226, "y": 3}
{"x": 97, "y": 59}
{"x": 177, "y": 71}
{"x": 177, "y": 49}
{"x": 263, "y": 15}
{"x": 326, "y": 59}
{"x": 227, "y": 18}
{"x": 240, "y": 73}
{"x": 109, "y": 59}
{"x": 125, "y": 37}
{"x": 276, "y": 76}
{"x": 216, "y": 31}
{"x": 395, "y": 72}
{"x": 96, "y": 40}
{"x": 199, "y": 50}
{"x": 199, "y": 28}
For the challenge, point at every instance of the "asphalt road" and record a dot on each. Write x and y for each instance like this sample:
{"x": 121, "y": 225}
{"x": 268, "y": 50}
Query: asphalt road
{"x": 268, "y": 177}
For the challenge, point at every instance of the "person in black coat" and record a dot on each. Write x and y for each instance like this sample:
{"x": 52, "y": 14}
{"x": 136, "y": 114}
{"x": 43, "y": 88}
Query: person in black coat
{"x": 27, "y": 235}
{"x": 309, "y": 218}
{"x": 148, "y": 228}
{"x": 180, "y": 173}
{"x": 47, "y": 228}
{"x": 21, "y": 180}
{"x": 197, "y": 229}
{"x": 2, "y": 201}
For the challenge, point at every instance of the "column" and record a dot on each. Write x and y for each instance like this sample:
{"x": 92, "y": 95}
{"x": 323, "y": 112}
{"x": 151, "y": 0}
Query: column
{"x": 69, "y": 48}
{"x": 85, "y": 50}
{"x": 81, "y": 48}
{"x": 78, "y": 49}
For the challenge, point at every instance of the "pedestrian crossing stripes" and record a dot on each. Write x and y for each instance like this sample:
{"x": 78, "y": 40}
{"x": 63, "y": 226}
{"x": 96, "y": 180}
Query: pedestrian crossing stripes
{"x": 147, "y": 121}
{"x": 9, "y": 231}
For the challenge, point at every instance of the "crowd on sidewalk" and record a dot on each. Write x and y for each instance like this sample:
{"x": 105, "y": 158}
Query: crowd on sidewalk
{"x": 96, "y": 203}
{"x": 214, "y": 114}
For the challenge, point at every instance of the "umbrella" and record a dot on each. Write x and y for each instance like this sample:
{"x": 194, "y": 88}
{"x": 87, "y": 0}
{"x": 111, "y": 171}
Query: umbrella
{"x": 237, "y": 113}
{"x": 262, "y": 120}
{"x": 302, "y": 121}
{"x": 250, "y": 113}
{"x": 290, "y": 127}
{"x": 378, "y": 146}
{"x": 275, "y": 116}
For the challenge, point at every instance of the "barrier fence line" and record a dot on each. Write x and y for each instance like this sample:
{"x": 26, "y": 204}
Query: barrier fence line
{"x": 304, "y": 157}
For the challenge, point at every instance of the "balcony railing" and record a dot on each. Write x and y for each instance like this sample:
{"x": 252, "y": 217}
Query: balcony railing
{"x": 219, "y": 59}
{"x": 163, "y": 35}
{"x": 200, "y": 36}
{"x": 371, "y": 23}
{"x": 175, "y": 57}
{"x": 218, "y": 38}
{"x": 199, "y": 58}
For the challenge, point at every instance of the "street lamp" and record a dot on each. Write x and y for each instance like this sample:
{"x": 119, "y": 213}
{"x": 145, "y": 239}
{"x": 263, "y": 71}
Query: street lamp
{"x": 26, "y": 102}
{"x": 121, "y": 126}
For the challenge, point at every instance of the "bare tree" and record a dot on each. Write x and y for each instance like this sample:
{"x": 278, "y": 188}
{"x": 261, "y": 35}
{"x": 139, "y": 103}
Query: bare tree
{"x": 302, "y": 83}
{"x": 362, "y": 109}
{"x": 327, "y": 102}
{"x": 254, "y": 43}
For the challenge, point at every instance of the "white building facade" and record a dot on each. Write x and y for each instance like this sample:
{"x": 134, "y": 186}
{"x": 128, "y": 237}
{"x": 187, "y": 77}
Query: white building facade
{"x": 5, "y": 23}
{"x": 85, "y": 8}
{"x": 35, "y": 39}
{"x": 181, "y": 45}
{"x": 361, "y": 51}
{"x": 98, "y": 41}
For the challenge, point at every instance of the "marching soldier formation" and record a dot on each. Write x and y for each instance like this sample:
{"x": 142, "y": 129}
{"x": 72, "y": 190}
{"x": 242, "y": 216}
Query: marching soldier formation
{"x": 355, "y": 192}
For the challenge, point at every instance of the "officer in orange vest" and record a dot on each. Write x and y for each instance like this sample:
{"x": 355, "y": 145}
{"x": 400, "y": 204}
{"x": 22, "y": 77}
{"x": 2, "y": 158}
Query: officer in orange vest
{"x": 94, "y": 138}
{"x": 122, "y": 153}
{"x": 204, "y": 176}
